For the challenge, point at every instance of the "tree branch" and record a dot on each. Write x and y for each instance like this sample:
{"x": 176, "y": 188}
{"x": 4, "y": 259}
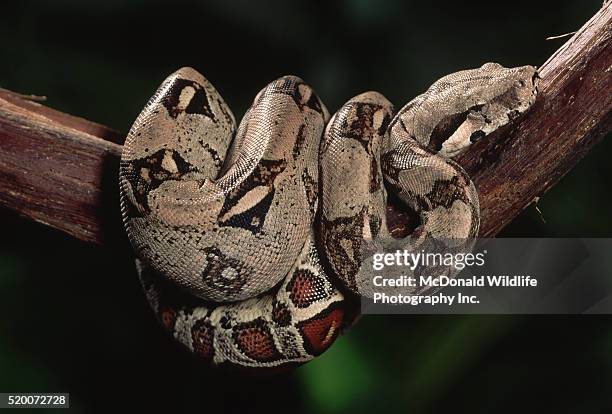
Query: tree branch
{"x": 56, "y": 169}
{"x": 62, "y": 170}
{"x": 572, "y": 113}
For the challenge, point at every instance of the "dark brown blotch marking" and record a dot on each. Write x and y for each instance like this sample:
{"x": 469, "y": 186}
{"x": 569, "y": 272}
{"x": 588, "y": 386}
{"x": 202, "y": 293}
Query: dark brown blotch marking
{"x": 447, "y": 127}
{"x": 305, "y": 288}
{"x": 336, "y": 235}
{"x": 147, "y": 173}
{"x": 255, "y": 340}
{"x": 223, "y": 273}
{"x": 281, "y": 314}
{"x": 202, "y": 334}
{"x": 359, "y": 125}
{"x": 445, "y": 192}
{"x": 375, "y": 223}
{"x": 291, "y": 87}
{"x": 375, "y": 176}
{"x": 264, "y": 174}
{"x": 198, "y": 104}
{"x": 320, "y": 331}
{"x": 299, "y": 142}
{"x": 311, "y": 187}
{"x": 167, "y": 317}
{"x": 254, "y": 218}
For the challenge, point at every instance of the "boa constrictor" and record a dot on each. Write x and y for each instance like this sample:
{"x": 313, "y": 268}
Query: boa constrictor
{"x": 250, "y": 241}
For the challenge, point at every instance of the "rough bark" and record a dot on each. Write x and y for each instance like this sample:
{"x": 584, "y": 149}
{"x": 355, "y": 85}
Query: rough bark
{"x": 573, "y": 112}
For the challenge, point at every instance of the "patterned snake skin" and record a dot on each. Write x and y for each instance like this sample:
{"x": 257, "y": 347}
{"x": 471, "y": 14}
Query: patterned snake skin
{"x": 250, "y": 241}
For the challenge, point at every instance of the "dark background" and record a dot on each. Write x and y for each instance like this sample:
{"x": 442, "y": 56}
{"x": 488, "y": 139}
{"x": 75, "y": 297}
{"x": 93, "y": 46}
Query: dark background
{"x": 73, "y": 318}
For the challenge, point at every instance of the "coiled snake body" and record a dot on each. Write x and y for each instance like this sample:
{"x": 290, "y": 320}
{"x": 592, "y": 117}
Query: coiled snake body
{"x": 250, "y": 241}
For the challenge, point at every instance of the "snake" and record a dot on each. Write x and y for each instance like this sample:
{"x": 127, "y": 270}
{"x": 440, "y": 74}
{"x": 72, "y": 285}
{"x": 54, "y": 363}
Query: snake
{"x": 249, "y": 239}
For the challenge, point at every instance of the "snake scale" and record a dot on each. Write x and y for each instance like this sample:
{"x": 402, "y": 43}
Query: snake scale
{"x": 249, "y": 240}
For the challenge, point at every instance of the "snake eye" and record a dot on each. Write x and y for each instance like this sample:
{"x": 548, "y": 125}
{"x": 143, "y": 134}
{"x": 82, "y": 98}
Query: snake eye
{"x": 520, "y": 83}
